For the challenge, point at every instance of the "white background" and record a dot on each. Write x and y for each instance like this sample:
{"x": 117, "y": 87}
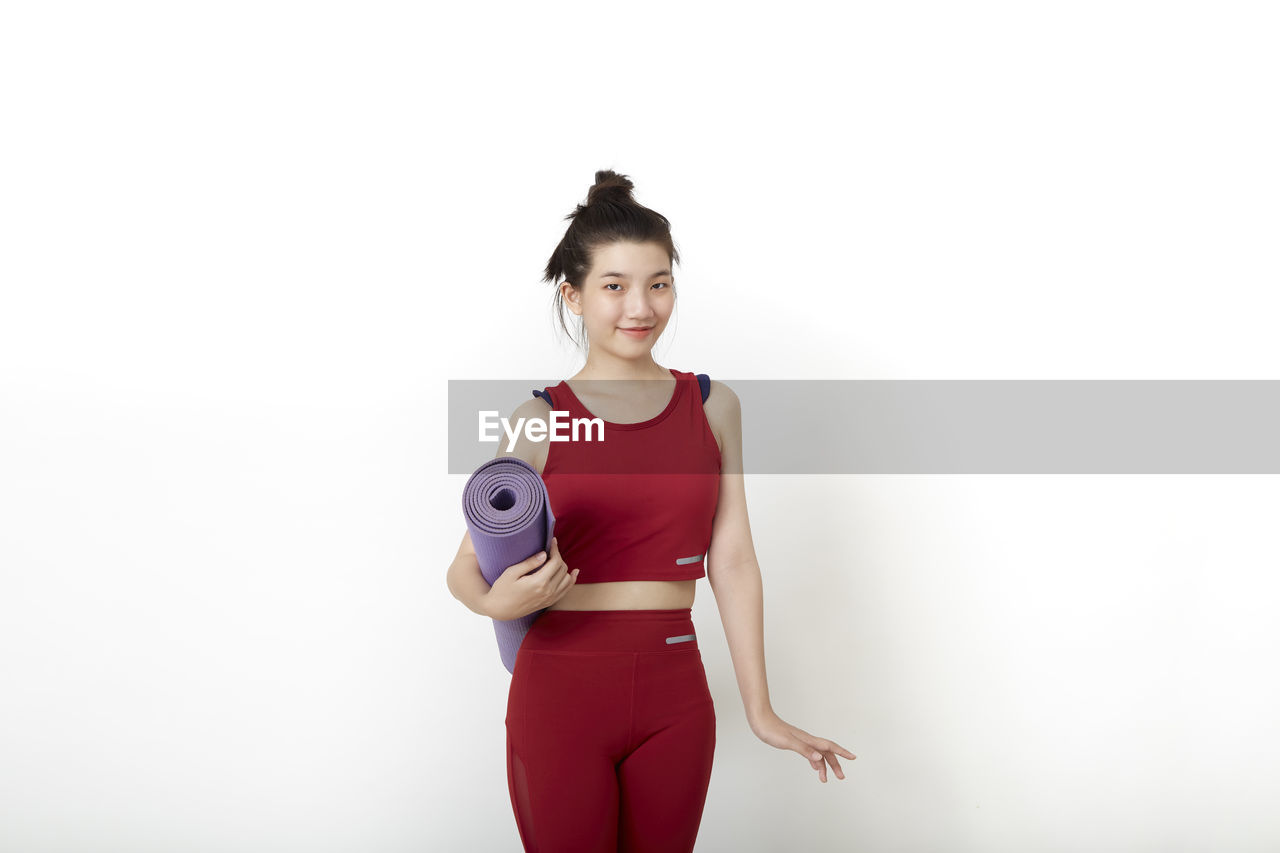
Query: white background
{"x": 243, "y": 247}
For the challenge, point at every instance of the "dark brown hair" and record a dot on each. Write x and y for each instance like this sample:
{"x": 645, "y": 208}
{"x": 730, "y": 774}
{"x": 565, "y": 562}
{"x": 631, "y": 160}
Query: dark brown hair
{"x": 610, "y": 215}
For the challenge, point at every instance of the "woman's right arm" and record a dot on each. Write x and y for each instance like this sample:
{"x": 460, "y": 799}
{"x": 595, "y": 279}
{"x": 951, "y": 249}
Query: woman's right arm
{"x": 465, "y": 581}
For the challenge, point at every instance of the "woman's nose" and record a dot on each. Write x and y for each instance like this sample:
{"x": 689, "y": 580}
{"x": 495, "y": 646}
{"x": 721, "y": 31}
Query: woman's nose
{"x": 637, "y": 305}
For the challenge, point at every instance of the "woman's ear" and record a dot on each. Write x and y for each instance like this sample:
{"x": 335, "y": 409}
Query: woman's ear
{"x": 572, "y": 297}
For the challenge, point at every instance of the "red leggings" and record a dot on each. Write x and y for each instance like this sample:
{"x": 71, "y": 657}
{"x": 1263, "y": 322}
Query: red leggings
{"x": 610, "y": 732}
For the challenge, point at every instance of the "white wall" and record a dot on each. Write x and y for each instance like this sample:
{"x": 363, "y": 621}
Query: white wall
{"x": 246, "y": 246}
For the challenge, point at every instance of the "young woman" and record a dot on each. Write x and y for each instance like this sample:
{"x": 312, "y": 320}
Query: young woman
{"x": 610, "y": 723}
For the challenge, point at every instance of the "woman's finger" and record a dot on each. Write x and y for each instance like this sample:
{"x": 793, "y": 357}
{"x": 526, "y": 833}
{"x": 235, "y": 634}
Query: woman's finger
{"x": 823, "y": 745}
{"x": 825, "y": 751}
{"x": 822, "y": 765}
{"x": 814, "y": 756}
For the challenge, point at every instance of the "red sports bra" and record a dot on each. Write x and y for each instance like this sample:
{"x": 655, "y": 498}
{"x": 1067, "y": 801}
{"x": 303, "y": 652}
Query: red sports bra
{"x": 637, "y": 504}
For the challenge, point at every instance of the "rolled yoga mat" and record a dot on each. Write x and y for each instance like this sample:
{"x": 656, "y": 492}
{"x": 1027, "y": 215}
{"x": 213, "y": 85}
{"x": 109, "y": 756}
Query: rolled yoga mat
{"x": 508, "y": 514}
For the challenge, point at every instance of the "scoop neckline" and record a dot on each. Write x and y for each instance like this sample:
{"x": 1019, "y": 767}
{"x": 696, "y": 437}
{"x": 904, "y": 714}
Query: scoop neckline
{"x": 671, "y": 404}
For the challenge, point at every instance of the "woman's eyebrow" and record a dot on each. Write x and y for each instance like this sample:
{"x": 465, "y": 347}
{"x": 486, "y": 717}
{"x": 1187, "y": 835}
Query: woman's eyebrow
{"x": 620, "y": 275}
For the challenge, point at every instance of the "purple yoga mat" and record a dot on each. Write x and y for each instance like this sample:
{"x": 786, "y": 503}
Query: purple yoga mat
{"x": 508, "y": 513}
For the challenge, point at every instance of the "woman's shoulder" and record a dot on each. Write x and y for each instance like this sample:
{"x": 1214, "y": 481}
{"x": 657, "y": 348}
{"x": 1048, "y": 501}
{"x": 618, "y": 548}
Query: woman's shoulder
{"x": 724, "y": 413}
{"x": 533, "y": 410}
{"x": 719, "y": 394}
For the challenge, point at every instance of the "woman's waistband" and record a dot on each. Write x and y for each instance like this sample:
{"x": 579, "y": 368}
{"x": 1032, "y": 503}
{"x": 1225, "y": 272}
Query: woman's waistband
{"x": 604, "y": 631}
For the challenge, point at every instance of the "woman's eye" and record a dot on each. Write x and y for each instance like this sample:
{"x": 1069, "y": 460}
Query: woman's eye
{"x": 615, "y": 284}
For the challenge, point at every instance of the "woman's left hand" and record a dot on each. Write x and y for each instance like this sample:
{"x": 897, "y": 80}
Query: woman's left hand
{"x": 776, "y": 731}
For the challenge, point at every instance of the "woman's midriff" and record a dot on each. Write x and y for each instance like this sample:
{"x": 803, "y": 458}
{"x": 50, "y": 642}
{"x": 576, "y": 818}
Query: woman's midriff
{"x": 628, "y": 595}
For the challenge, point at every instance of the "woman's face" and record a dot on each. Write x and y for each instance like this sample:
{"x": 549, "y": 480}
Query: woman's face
{"x": 630, "y": 285}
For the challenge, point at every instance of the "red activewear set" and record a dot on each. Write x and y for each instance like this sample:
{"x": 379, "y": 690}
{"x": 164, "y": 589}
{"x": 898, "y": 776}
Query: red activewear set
{"x": 611, "y": 729}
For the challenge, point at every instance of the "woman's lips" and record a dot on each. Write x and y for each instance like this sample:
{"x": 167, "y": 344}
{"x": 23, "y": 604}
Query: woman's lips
{"x": 638, "y": 333}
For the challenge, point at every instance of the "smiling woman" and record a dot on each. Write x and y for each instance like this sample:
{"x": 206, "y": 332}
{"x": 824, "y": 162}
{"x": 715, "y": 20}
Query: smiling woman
{"x": 611, "y": 726}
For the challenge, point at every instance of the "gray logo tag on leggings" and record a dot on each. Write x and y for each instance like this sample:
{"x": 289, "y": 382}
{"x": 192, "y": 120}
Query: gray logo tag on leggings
{"x": 683, "y": 638}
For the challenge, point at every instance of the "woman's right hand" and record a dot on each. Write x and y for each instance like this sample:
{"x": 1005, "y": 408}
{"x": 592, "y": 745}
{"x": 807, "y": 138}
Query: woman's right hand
{"x": 530, "y": 585}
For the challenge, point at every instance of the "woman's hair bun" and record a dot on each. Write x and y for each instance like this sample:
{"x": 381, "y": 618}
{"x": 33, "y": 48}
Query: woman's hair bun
{"x": 610, "y": 185}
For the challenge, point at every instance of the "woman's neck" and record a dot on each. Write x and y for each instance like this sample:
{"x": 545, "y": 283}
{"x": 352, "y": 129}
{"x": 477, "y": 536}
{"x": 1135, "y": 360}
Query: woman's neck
{"x": 608, "y": 367}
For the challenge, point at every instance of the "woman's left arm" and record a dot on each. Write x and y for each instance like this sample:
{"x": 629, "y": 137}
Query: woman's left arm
{"x": 734, "y": 575}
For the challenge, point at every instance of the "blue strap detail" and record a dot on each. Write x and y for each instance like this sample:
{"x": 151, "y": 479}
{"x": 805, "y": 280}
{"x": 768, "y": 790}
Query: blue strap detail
{"x": 546, "y": 395}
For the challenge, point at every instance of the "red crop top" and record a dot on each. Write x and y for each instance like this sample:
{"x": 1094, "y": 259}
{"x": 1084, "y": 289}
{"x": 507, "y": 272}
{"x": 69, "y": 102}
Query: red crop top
{"x": 637, "y": 504}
